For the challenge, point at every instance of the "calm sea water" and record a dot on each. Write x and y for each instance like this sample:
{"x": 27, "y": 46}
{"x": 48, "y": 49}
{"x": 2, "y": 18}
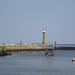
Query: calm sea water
{"x": 38, "y": 64}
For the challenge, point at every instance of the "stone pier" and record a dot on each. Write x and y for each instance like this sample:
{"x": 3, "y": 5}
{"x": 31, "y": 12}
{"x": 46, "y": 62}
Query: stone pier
{"x": 29, "y": 47}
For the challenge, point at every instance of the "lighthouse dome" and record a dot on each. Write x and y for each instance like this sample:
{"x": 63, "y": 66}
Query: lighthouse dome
{"x": 43, "y": 31}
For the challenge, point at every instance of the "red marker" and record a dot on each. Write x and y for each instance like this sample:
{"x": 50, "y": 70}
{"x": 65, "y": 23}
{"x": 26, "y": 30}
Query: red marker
{"x": 55, "y": 41}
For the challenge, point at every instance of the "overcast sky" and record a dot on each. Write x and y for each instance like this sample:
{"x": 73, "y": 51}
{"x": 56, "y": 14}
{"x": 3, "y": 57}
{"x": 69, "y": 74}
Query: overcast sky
{"x": 24, "y": 20}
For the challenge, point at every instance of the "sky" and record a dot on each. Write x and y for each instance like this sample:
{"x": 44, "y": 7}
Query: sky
{"x": 24, "y": 20}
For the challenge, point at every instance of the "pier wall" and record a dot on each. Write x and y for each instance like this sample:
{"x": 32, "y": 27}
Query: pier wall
{"x": 30, "y": 47}
{"x": 65, "y": 46}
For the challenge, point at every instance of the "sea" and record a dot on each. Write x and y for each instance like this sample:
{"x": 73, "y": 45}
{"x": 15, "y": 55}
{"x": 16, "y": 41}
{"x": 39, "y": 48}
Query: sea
{"x": 36, "y": 63}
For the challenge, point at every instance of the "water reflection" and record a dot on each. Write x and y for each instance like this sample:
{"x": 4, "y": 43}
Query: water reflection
{"x": 73, "y": 62}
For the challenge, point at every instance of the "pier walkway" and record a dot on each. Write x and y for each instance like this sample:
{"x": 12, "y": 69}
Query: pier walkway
{"x": 65, "y": 46}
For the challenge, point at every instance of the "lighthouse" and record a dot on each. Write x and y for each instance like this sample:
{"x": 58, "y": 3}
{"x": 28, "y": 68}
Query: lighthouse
{"x": 43, "y": 37}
